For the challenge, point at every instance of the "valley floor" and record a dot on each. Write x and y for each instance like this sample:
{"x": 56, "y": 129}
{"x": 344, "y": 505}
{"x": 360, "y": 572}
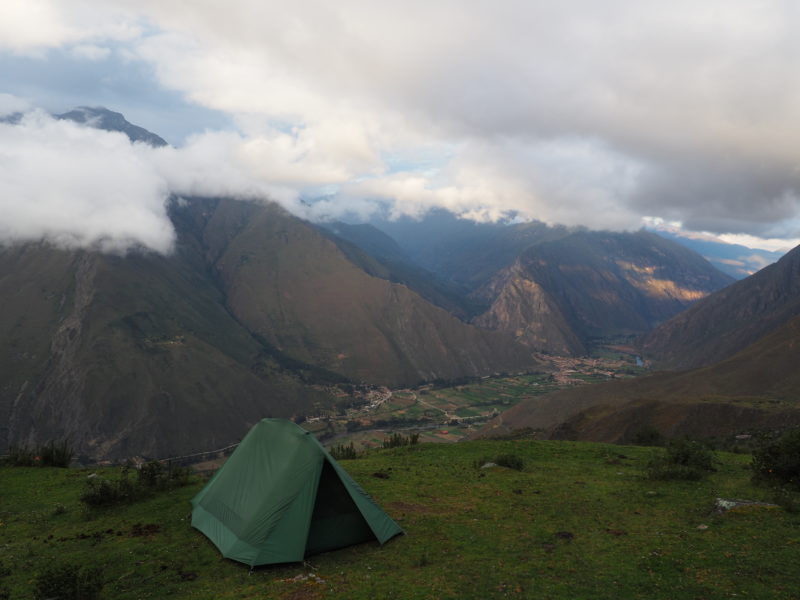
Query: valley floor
{"x": 579, "y": 521}
{"x": 451, "y": 413}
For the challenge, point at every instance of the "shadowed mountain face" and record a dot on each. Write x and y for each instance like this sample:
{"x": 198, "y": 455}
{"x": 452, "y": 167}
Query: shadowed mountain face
{"x": 557, "y": 289}
{"x": 297, "y": 290}
{"x": 158, "y": 355}
{"x": 130, "y": 355}
{"x": 379, "y": 255}
{"x": 728, "y": 321}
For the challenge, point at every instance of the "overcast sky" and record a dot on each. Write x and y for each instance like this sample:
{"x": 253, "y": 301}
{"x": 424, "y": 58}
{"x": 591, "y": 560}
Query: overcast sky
{"x": 576, "y": 112}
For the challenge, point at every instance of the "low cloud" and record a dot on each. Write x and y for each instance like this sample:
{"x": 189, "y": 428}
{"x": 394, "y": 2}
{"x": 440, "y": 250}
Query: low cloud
{"x": 76, "y": 186}
{"x": 575, "y": 112}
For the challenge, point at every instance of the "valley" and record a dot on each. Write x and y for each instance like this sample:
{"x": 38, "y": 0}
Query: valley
{"x": 450, "y": 413}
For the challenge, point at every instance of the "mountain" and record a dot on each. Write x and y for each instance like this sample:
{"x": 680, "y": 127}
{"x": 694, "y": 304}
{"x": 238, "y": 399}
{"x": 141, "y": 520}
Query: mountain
{"x": 102, "y": 118}
{"x": 297, "y": 289}
{"x": 558, "y": 295}
{"x": 728, "y": 321}
{"x": 131, "y": 355}
{"x": 465, "y": 252}
{"x": 556, "y": 289}
{"x": 253, "y": 313}
{"x": 743, "y": 343}
{"x": 756, "y": 389}
{"x": 380, "y": 256}
{"x": 733, "y": 259}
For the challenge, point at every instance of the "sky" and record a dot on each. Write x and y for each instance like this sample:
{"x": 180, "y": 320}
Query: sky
{"x": 608, "y": 115}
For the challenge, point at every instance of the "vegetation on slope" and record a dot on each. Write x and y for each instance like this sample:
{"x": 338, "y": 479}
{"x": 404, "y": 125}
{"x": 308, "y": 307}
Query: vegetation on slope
{"x": 579, "y": 521}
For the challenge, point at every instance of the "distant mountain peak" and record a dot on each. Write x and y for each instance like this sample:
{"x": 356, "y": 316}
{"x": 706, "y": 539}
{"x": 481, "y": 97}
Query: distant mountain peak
{"x": 108, "y": 120}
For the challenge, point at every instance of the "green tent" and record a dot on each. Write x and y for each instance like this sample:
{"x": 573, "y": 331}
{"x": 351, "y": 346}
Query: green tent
{"x": 281, "y": 497}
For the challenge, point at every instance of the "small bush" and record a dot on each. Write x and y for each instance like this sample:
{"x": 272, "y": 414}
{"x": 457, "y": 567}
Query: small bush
{"x": 396, "y": 440}
{"x": 776, "y": 460}
{"x": 68, "y": 582}
{"x": 787, "y": 498}
{"x": 51, "y": 454}
{"x": 151, "y": 476}
{"x": 56, "y": 454}
{"x": 21, "y": 456}
{"x": 647, "y": 436}
{"x": 102, "y": 492}
{"x": 342, "y": 452}
{"x": 682, "y": 459}
{"x": 510, "y": 461}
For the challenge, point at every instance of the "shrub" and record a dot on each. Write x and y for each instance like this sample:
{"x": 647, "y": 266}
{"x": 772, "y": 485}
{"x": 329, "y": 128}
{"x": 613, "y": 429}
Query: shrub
{"x": 788, "y": 499}
{"x": 56, "y": 454}
{"x": 776, "y": 460}
{"x": 342, "y": 452}
{"x": 682, "y": 459}
{"x": 510, "y": 461}
{"x": 21, "y": 456}
{"x": 151, "y": 476}
{"x": 68, "y": 582}
{"x": 647, "y": 436}
{"x": 396, "y": 440}
{"x": 102, "y": 492}
{"x": 51, "y": 454}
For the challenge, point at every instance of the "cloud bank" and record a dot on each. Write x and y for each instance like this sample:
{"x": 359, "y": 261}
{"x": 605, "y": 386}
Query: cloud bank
{"x": 575, "y": 112}
{"x": 77, "y": 186}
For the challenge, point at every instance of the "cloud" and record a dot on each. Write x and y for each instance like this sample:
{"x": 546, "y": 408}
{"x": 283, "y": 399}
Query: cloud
{"x": 29, "y": 27}
{"x": 76, "y": 186}
{"x": 10, "y": 105}
{"x": 575, "y": 112}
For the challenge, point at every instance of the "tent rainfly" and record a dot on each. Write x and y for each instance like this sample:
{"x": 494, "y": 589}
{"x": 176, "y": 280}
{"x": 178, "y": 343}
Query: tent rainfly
{"x": 281, "y": 497}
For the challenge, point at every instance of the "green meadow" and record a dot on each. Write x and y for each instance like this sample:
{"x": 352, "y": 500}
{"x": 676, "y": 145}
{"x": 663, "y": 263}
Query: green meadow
{"x": 580, "y": 520}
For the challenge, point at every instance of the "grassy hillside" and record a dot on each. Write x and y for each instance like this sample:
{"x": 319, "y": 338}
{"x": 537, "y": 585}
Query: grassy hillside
{"x": 580, "y": 521}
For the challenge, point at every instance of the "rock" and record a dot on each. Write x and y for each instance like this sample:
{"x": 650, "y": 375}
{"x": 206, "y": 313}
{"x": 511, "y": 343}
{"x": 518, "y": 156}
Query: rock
{"x": 723, "y": 504}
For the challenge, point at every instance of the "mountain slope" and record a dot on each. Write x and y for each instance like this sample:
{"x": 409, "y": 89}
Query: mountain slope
{"x": 461, "y": 250}
{"x": 560, "y": 294}
{"x": 729, "y": 320}
{"x": 130, "y": 355}
{"x": 297, "y": 290}
{"x": 380, "y": 256}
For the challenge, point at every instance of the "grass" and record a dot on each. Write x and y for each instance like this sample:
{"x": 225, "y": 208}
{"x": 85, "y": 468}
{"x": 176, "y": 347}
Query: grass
{"x": 579, "y": 521}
